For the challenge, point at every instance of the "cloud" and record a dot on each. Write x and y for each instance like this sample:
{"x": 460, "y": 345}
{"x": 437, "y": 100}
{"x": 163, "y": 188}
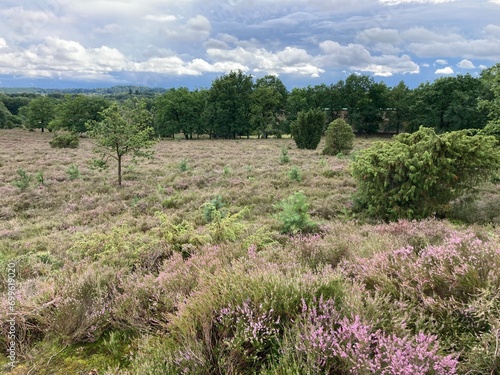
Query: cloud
{"x": 466, "y": 64}
{"x": 441, "y": 62}
{"x": 160, "y": 17}
{"x": 447, "y": 70}
{"x": 357, "y": 57}
{"x": 3, "y": 43}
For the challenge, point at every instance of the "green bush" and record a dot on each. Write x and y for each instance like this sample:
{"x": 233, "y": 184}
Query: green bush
{"x": 493, "y": 128}
{"x": 294, "y": 174}
{"x": 418, "y": 175}
{"x": 65, "y": 140}
{"x": 24, "y": 180}
{"x": 339, "y": 138}
{"x": 294, "y": 215}
{"x": 284, "y": 156}
{"x": 308, "y": 128}
{"x": 73, "y": 172}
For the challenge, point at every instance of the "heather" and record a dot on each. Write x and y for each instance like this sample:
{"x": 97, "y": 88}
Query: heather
{"x": 212, "y": 258}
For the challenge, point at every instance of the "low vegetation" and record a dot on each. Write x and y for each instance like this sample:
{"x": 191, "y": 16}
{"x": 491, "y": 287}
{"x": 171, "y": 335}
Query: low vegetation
{"x": 214, "y": 257}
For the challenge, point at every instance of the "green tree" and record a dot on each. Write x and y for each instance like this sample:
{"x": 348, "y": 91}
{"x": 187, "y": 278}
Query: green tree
{"x": 180, "y": 110}
{"x": 491, "y": 99}
{"x": 308, "y": 128}
{"x": 268, "y": 104}
{"x": 40, "y": 112}
{"x": 399, "y": 103}
{"x": 228, "y": 105}
{"x": 418, "y": 175}
{"x": 339, "y": 138}
{"x": 76, "y": 110}
{"x": 449, "y": 103}
{"x": 123, "y": 130}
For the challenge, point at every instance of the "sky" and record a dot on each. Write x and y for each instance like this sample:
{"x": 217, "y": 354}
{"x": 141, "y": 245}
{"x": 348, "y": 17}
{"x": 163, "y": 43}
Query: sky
{"x": 173, "y": 43}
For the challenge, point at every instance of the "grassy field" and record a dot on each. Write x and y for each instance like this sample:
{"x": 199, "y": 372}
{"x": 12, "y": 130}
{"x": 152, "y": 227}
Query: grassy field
{"x": 140, "y": 279}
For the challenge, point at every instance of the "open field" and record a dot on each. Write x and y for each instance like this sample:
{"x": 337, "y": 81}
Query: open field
{"x": 136, "y": 279}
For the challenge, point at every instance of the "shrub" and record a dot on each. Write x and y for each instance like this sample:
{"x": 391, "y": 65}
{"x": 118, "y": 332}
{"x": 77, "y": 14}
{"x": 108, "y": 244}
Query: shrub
{"x": 339, "y": 138}
{"x": 73, "y": 172}
{"x": 493, "y": 128}
{"x": 332, "y": 344}
{"x": 215, "y": 204}
{"x": 183, "y": 165}
{"x": 418, "y": 175}
{"x": 65, "y": 140}
{"x": 308, "y": 128}
{"x": 294, "y": 215}
{"x": 284, "y": 159}
{"x": 295, "y": 174}
{"x": 24, "y": 180}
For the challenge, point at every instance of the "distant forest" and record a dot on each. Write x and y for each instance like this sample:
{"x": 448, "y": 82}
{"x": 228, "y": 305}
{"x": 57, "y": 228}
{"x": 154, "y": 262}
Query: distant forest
{"x": 236, "y": 105}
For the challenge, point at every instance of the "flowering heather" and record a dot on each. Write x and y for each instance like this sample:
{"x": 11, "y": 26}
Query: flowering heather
{"x": 334, "y": 344}
{"x": 247, "y": 331}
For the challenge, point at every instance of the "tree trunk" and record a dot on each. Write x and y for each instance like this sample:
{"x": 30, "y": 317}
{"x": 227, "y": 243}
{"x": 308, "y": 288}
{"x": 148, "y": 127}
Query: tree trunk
{"x": 119, "y": 170}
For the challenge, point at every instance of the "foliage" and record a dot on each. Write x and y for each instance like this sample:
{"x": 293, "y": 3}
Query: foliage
{"x": 73, "y": 172}
{"x": 308, "y": 128}
{"x": 123, "y": 131}
{"x": 294, "y": 216}
{"x": 228, "y": 105}
{"x": 183, "y": 165}
{"x": 339, "y": 138}
{"x": 24, "y": 180}
{"x": 418, "y": 175}
{"x": 215, "y": 204}
{"x": 294, "y": 174}
{"x": 452, "y": 281}
{"x": 284, "y": 158}
{"x": 448, "y": 104}
{"x": 493, "y": 129}
{"x": 75, "y": 111}
{"x": 180, "y": 110}
{"x": 331, "y": 343}
{"x": 40, "y": 112}
{"x": 65, "y": 140}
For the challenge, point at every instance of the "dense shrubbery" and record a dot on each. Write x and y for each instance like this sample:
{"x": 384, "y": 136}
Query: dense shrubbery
{"x": 308, "y": 128}
{"x": 65, "y": 140}
{"x": 339, "y": 138}
{"x": 418, "y": 175}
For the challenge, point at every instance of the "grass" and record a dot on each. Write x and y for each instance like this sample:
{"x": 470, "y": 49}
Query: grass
{"x": 136, "y": 279}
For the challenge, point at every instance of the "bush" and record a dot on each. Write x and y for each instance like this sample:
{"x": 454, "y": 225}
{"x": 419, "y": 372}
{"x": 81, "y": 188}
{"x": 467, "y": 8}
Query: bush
{"x": 493, "y": 128}
{"x": 294, "y": 216}
{"x": 339, "y": 138}
{"x": 24, "y": 180}
{"x": 418, "y": 175}
{"x": 65, "y": 140}
{"x": 308, "y": 128}
{"x": 294, "y": 174}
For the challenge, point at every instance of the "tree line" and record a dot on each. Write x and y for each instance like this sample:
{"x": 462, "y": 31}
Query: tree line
{"x": 236, "y": 105}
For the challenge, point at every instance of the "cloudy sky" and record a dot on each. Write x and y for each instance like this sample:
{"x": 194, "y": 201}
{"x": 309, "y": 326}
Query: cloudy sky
{"x": 91, "y": 43}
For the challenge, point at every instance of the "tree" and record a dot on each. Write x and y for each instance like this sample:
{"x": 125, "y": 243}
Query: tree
{"x": 308, "y": 128}
{"x": 491, "y": 101}
{"x": 399, "y": 103}
{"x": 268, "y": 103}
{"x": 180, "y": 110}
{"x": 339, "y": 138}
{"x": 447, "y": 104}
{"x": 418, "y": 175}
{"x": 40, "y": 112}
{"x": 123, "y": 130}
{"x": 228, "y": 105}
{"x": 76, "y": 110}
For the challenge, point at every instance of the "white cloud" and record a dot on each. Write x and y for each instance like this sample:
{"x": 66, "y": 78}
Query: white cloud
{"x": 447, "y": 70}
{"x": 3, "y": 43}
{"x": 357, "y": 57}
{"x": 466, "y": 64}
{"x": 160, "y": 17}
{"x": 441, "y": 62}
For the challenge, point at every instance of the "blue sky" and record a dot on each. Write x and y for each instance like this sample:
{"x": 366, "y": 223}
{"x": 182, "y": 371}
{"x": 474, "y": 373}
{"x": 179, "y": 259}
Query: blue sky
{"x": 165, "y": 43}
